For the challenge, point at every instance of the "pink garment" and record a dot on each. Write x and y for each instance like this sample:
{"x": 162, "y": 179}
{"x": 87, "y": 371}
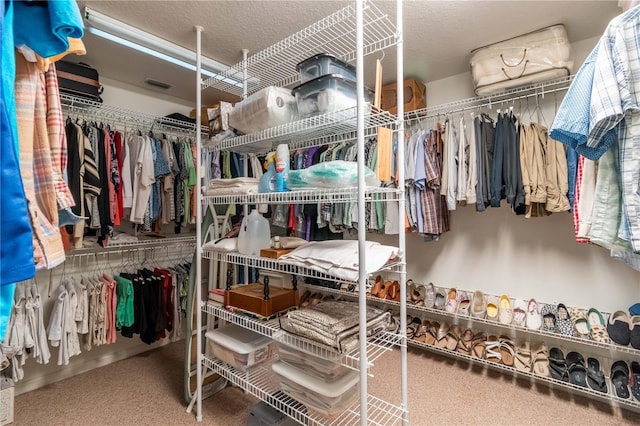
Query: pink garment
{"x": 109, "y": 289}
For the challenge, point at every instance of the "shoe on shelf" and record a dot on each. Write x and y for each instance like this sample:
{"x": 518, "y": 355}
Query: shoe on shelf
{"x": 619, "y": 328}
{"x": 595, "y": 376}
{"x": 492, "y": 308}
{"x": 540, "y": 360}
{"x": 492, "y": 350}
{"x": 563, "y": 321}
{"x": 634, "y": 380}
{"x": 634, "y": 309}
{"x": 430, "y": 295}
{"x": 464, "y": 303}
{"x": 523, "y": 357}
{"x": 478, "y": 307}
{"x": 548, "y": 313}
{"x": 507, "y": 351}
{"x": 620, "y": 378}
{"x": 635, "y": 331}
{"x": 534, "y": 319}
{"x": 451, "y": 305}
{"x": 440, "y": 298}
{"x": 580, "y": 323}
{"x": 411, "y": 294}
{"x": 597, "y": 326}
{"x": 520, "y": 312}
{"x": 558, "y": 365}
{"x": 505, "y": 313}
{"x": 576, "y": 368}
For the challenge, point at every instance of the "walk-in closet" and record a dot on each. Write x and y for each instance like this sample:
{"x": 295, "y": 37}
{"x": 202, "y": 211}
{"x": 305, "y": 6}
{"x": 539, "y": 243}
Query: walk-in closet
{"x": 321, "y": 213}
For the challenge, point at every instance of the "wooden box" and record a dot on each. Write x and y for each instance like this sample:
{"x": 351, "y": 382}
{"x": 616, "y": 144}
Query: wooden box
{"x": 274, "y": 253}
{"x": 250, "y": 298}
{"x": 415, "y": 96}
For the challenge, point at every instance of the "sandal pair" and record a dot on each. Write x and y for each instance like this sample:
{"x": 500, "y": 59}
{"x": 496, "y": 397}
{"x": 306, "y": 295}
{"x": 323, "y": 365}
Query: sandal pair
{"x": 532, "y": 359}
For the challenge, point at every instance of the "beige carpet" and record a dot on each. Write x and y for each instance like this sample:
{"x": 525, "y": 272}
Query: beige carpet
{"x": 147, "y": 389}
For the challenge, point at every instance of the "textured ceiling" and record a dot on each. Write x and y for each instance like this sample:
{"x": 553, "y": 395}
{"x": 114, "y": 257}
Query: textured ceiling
{"x": 438, "y": 35}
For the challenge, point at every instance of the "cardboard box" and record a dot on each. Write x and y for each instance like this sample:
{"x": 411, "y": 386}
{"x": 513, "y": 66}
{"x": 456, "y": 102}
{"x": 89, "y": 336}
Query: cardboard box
{"x": 415, "y": 96}
{"x": 204, "y": 113}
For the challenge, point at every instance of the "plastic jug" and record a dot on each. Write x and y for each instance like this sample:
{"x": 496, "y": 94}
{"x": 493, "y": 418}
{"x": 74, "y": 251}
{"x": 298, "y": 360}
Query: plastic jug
{"x": 255, "y": 234}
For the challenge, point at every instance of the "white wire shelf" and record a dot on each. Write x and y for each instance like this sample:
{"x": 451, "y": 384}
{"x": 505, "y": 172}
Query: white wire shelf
{"x": 269, "y": 264}
{"x": 307, "y": 196}
{"x": 611, "y": 347}
{"x": 321, "y": 129}
{"x": 129, "y": 118}
{"x": 335, "y": 34}
{"x": 609, "y": 397}
{"x": 376, "y": 346}
{"x": 263, "y": 383}
{"x": 538, "y": 89}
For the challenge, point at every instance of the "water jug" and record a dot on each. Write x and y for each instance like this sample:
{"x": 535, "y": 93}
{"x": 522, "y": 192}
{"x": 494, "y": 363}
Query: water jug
{"x": 254, "y": 234}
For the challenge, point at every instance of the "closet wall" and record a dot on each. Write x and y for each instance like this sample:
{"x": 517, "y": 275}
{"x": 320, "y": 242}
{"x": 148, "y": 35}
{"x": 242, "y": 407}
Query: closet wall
{"x": 501, "y": 253}
{"x": 36, "y": 375}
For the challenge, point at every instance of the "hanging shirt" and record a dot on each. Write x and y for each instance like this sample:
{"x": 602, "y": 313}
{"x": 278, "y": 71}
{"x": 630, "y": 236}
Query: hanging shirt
{"x": 143, "y": 178}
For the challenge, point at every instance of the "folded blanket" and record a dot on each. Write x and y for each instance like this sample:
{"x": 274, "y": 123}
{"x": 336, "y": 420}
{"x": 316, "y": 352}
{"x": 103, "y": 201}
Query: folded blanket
{"x": 339, "y": 258}
{"x": 334, "y": 323}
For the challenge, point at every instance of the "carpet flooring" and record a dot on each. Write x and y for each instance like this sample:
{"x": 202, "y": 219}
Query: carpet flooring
{"x": 148, "y": 389}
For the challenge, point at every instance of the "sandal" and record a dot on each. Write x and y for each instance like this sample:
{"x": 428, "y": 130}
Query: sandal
{"x": 540, "y": 361}
{"x": 492, "y": 308}
{"x": 558, "y": 365}
{"x": 492, "y": 350}
{"x": 411, "y": 295}
{"x": 439, "y": 299}
{"x": 519, "y": 313}
{"x": 534, "y": 320}
{"x": 597, "y": 326}
{"x": 478, "y": 345}
{"x": 548, "y": 313}
{"x": 580, "y": 323}
{"x": 393, "y": 291}
{"x": 507, "y": 351}
{"x": 577, "y": 370}
{"x": 595, "y": 376}
{"x": 464, "y": 344}
{"x": 635, "y": 332}
{"x": 563, "y": 321}
{"x": 418, "y": 294}
{"x": 452, "y": 301}
{"x": 441, "y": 335}
{"x": 505, "y": 313}
{"x": 634, "y": 380}
{"x": 620, "y": 378}
{"x": 453, "y": 336}
{"x": 423, "y": 331}
{"x": 432, "y": 336}
{"x": 430, "y": 295}
{"x": 478, "y": 307}
{"x": 463, "y": 305}
{"x": 377, "y": 286}
{"x": 522, "y": 360}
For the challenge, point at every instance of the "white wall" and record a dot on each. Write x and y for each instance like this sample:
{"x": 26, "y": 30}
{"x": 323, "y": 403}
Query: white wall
{"x": 501, "y": 253}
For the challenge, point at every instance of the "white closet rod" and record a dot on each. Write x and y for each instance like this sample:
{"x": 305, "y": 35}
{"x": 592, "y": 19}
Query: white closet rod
{"x": 490, "y": 100}
{"x": 123, "y": 115}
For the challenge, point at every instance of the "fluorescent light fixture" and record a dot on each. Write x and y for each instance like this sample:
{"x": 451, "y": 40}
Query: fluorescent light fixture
{"x": 134, "y": 38}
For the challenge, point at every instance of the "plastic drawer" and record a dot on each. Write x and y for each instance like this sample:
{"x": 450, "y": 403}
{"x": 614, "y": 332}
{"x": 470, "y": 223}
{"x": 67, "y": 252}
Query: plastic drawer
{"x": 324, "y": 63}
{"x": 239, "y": 347}
{"x": 327, "y": 93}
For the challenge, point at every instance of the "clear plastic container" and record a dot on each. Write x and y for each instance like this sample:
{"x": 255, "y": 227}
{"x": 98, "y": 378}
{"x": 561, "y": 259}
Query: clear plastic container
{"x": 269, "y": 107}
{"x": 324, "y": 63}
{"x": 326, "y": 397}
{"x": 254, "y": 235}
{"x": 240, "y": 347}
{"x": 327, "y": 93}
{"x": 317, "y": 367}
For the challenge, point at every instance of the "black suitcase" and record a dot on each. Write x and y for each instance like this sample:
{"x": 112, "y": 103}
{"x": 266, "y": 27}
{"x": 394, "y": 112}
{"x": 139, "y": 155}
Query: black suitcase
{"x": 79, "y": 80}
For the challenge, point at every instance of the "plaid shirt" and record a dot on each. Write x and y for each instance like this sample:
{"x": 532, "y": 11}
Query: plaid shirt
{"x": 57, "y": 139}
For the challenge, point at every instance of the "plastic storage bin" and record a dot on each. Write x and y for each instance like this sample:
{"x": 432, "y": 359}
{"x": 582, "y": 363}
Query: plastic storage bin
{"x": 324, "y": 63}
{"x": 269, "y": 107}
{"x": 239, "y": 347}
{"x": 326, "y": 397}
{"x": 317, "y": 367}
{"x": 327, "y": 93}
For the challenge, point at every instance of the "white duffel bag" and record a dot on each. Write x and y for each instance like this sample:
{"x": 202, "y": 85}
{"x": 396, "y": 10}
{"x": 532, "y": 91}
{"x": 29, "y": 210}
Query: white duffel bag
{"x": 535, "y": 57}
